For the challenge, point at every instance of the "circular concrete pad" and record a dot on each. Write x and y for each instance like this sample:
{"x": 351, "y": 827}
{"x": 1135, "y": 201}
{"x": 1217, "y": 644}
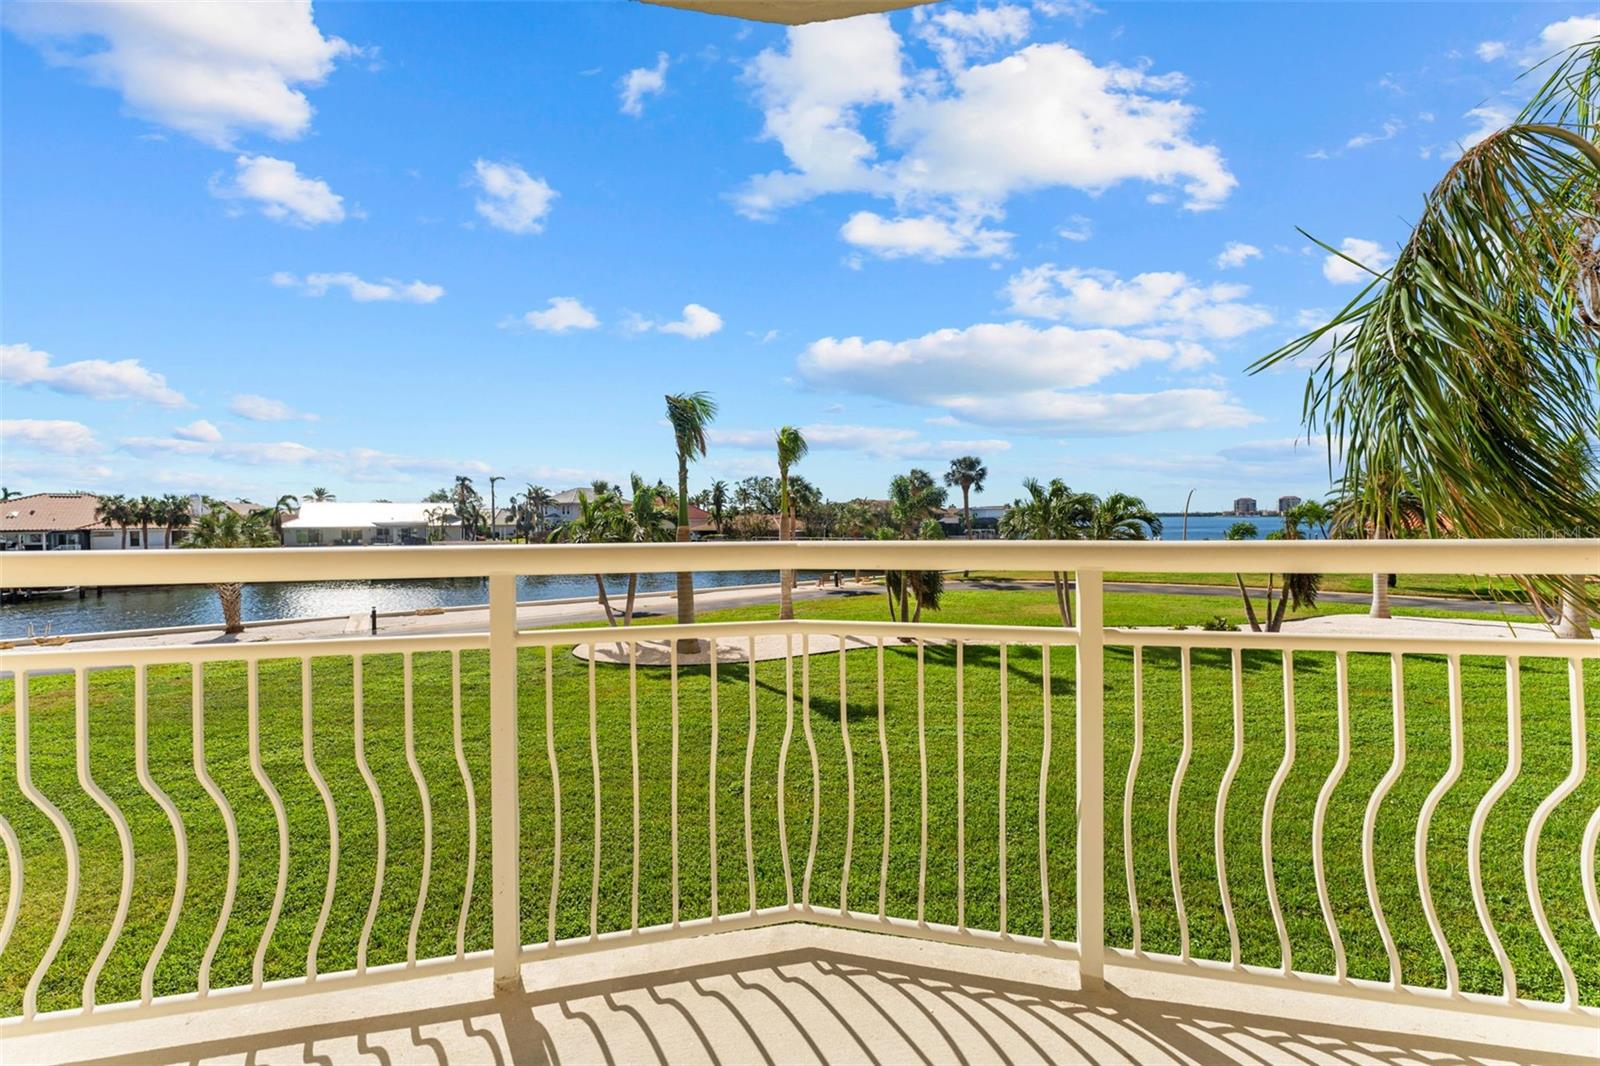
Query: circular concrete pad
{"x": 729, "y": 649}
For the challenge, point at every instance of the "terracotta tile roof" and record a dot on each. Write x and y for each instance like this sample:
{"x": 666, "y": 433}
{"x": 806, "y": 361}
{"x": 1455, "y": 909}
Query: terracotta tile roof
{"x": 48, "y": 511}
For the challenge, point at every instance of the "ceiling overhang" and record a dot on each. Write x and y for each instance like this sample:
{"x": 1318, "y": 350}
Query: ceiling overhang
{"x": 788, "y": 12}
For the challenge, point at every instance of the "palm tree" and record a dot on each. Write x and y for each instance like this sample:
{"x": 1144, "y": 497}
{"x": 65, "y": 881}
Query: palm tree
{"x": 493, "y": 517}
{"x": 1051, "y": 512}
{"x": 536, "y": 498}
{"x": 113, "y": 510}
{"x": 464, "y": 496}
{"x": 8, "y": 494}
{"x": 1244, "y": 531}
{"x": 598, "y": 522}
{"x": 648, "y": 519}
{"x": 1469, "y": 365}
{"x": 792, "y": 448}
{"x": 1316, "y": 515}
{"x": 146, "y": 512}
{"x": 966, "y": 473}
{"x": 1378, "y": 506}
{"x": 223, "y": 527}
{"x": 1122, "y": 517}
{"x": 719, "y": 503}
{"x": 174, "y": 514}
{"x": 321, "y": 495}
{"x": 689, "y": 414}
{"x": 285, "y": 506}
{"x": 914, "y": 500}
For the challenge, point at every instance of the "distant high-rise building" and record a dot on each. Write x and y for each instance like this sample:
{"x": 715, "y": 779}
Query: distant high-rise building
{"x": 1286, "y": 502}
{"x": 1245, "y": 505}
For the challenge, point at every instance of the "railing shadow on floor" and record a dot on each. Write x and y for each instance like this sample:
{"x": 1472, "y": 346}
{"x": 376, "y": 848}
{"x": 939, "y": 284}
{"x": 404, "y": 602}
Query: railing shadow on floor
{"x": 831, "y": 1006}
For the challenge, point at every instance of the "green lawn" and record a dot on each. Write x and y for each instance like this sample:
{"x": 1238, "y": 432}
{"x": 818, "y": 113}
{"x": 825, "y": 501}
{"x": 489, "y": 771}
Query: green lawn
{"x": 1546, "y": 760}
{"x": 1468, "y": 586}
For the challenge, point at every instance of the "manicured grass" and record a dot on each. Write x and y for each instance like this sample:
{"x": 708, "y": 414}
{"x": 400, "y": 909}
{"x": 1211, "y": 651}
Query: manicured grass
{"x": 1547, "y": 755}
{"x": 1467, "y": 586}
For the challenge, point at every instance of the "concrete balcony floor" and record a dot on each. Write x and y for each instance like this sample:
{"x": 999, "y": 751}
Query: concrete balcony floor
{"x": 800, "y": 994}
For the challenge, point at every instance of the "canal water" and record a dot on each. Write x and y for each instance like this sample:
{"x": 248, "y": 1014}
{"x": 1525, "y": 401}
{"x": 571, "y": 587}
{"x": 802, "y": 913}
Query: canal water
{"x": 188, "y": 605}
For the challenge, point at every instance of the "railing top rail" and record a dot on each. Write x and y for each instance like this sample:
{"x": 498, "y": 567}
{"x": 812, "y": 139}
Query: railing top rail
{"x": 203, "y": 567}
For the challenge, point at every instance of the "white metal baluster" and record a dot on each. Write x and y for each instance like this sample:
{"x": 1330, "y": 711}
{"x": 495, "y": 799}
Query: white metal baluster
{"x": 594, "y": 762}
{"x": 505, "y": 777}
{"x": 203, "y": 775}
{"x": 1270, "y": 805}
{"x": 633, "y": 755}
{"x": 961, "y": 786}
{"x": 141, "y": 755}
{"x": 1044, "y": 790}
{"x": 1319, "y": 816}
{"x": 427, "y": 814}
{"x": 308, "y": 752}
{"x": 1586, "y": 868}
{"x": 1425, "y": 819}
{"x": 1222, "y": 805}
{"x": 883, "y": 747}
{"x": 1369, "y": 824}
{"x": 555, "y": 785}
{"x": 14, "y": 888}
{"x": 711, "y": 786}
{"x": 783, "y": 766}
{"x": 69, "y": 844}
{"x": 1480, "y": 818}
{"x": 1090, "y": 780}
{"x": 1530, "y": 847}
{"x": 673, "y": 655}
{"x": 124, "y": 840}
{"x": 1172, "y": 802}
{"x": 1127, "y": 795}
{"x": 922, "y": 758}
{"x": 1005, "y": 754}
{"x": 378, "y": 814}
{"x": 749, "y": 766}
{"x": 253, "y": 729}
{"x": 472, "y": 804}
{"x": 850, "y": 781}
{"x": 816, "y": 768}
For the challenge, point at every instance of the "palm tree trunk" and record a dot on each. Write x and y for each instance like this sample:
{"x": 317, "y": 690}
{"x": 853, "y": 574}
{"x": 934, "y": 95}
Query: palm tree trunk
{"x": 1063, "y": 587}
{"x": 627, "y": 610}
{"x": 605, "y": 601}
{"x": 888, "y": 591}
{"x": 1380, "y": 596}
{"x": 687, "y": 645}
{"x": 1249, "y": 607}
{"x": 144, "y": 537}
{"x": 905, "y": 593}
{"x": 917, "y": 617}
{"x": 785, "y": 577}
{"x": 1573, "y": 623}
{"x": 232, "y": 596}
{"x": 1276, "y": 623}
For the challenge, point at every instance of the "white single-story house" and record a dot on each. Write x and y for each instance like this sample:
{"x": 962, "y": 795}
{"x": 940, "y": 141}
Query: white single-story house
{"x": 324, "y": 523}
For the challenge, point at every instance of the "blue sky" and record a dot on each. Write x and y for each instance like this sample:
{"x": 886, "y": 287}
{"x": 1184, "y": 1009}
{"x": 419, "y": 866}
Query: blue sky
{"x": 368, "y": 246}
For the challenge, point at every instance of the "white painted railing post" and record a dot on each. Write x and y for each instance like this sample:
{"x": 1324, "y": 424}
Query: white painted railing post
{"x": 505, "y": 825}
{"x": 1090, "y": 732}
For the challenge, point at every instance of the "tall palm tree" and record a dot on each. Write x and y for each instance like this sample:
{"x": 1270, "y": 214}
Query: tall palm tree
{"x": 112, "y": 510}
{"x": 493, "y": 517}
{"x": 321, "y": 495}
{"x": 1051, "y": 512}
{"x": 223, "y": 527}
{"x": 914, "y": 499}
{"x": 689, "y": 414}
{"x": 1122, "y": 517}
{"x": 174, "y": 514}
{"x": 145, "y": 512}
{"x": 598, "y": 521}
{"x": 648, "y": 519}
{"x": 966, "y": 473}
{"x": 464, "y": 496}
{"x": 537, "y": 498}
{"x": 792, "y": 448}
{"x": 1464, "y": 372}
{"x": 1245, "y": 531}
{"x": 719, "y": 503}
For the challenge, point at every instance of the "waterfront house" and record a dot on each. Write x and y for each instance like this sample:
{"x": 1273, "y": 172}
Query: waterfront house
{"x": 324, "y": 523}
{"x": 56, "y": 521}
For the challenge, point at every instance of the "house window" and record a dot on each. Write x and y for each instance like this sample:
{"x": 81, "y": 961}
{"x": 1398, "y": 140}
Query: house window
{"x": 133, "y": 539}
{"x": 308, "y": 536}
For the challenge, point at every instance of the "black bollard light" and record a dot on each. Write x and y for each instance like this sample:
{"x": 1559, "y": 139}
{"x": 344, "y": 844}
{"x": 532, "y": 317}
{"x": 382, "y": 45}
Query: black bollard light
{"x": 374, "y": 621}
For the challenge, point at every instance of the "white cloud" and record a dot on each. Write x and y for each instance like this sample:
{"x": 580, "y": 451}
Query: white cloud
{"x": 1236, "y": 254}
{"x": 1097, "y": 413}
{"x": 959, "y": 140}
{"x": 1559, "y": 36}
{"x": 389, "y": 290}
{"x": 641, "y": 82}
{"x": 99, "y": 379}
{"x": 212, "y": 71}
{"x": 879, "y": 442}
{"x": 511, "y": 199}
{"x": 697, "y": 322}
{"x": 262, "y": 409}
{"x": 925, "y": 237}
{"x": 1489, "y": 51}
{"x": 245, "y": 453}
{"x": 1159, "y": 302}
{"x": 564, "y": 313}
{"x": 1487, "y": 119}
{"x": 198, "y": 430}
{"x": 57, "y": 436}
{"x": 1370, "y": 254}
{"x": 1387, "y": 132}
{"x": 280, "y": 191}
{"x": 1077, "y": 228}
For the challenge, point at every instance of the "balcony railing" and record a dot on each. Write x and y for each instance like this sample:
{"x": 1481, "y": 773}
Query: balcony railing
{"x": 1397, "y": 818}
